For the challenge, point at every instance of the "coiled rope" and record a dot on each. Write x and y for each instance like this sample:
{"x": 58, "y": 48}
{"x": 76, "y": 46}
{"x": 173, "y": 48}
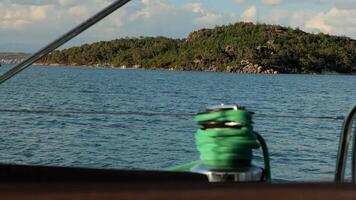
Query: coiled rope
{"x": 226, "y": 141}
{"x": 223, "y": 147}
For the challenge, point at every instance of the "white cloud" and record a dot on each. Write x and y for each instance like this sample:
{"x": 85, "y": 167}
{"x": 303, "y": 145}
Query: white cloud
{"x": 195, "y": 7}
{"x": 38, "y": 12}
{"x": 272, "y": 2}
{"x": 30, "y": 2}
{"x": 240, "y": 1}
{"x": 291, "y": 2}
{"x": 153, "y": 10}
{"x": 335, "y": 21}
{"x": 205, "y": 17}
{"x": 79, "y": 11}
{"x": 146, "y": 2}
{"x": 66, "y": 2}
{"x": 208, "y": 19}
{"x": 26, "y": 23}
{"x": 249, "y": 15}
{"x": 318, "y": 24}
{"x": 14, "y": 16}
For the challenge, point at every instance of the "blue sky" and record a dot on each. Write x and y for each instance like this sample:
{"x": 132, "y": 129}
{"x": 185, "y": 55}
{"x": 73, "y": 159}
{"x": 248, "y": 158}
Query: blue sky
{"x": 26, "y": 25}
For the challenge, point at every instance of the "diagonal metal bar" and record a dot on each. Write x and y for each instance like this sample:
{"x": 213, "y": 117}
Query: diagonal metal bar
{"x": 63, "y": 39}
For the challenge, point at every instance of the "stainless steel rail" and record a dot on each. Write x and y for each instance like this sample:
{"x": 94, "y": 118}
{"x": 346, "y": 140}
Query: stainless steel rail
{"x": 345, "y": 137}
{"x": 353, "y": 167}
{"x": 63, "y": 39}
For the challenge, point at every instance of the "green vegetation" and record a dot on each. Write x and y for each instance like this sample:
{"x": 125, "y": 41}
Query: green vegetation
{"x": 224, "y": 48}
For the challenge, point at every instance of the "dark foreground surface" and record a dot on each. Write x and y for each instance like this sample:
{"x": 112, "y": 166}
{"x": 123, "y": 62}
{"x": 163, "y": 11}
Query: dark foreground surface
{"x": 36, "y": 183}
{"x": 174, "y": 190}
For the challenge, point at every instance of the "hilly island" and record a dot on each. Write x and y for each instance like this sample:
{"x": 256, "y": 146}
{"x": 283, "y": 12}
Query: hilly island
{"x": 240, "y": 47}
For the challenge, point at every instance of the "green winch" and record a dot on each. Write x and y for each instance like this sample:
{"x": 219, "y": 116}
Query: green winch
{"x": 226, "y": 141}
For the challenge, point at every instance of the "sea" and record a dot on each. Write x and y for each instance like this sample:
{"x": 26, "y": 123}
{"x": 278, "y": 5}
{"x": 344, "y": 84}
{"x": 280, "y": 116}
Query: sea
{"x": 141, "y": 119}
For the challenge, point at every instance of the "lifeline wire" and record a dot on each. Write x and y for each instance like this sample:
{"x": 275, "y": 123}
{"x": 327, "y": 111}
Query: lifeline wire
{"x": 70, "y": 112}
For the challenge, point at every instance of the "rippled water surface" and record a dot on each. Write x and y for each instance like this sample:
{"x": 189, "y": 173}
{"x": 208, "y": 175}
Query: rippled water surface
{"x": 107, "y": 118}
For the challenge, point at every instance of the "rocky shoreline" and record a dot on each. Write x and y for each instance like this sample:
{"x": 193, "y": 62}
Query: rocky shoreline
{"x": 245, "y": 67}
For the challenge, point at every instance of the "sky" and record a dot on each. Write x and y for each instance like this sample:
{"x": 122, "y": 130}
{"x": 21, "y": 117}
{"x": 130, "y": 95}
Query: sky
{"x": 27, "y": 25}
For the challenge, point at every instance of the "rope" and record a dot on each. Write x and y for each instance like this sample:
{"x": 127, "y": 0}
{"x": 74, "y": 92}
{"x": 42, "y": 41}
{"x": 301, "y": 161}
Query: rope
{"x": 223, "y": 147}
{"x": 227, "y": 147}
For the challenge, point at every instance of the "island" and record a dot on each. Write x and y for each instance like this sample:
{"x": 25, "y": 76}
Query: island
{"x": 239, "y": 48}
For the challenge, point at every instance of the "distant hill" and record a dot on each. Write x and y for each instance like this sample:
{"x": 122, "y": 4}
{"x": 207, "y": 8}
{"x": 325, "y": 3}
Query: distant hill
{"x": 12, "y": 58}
{"x": 240, "y": 47}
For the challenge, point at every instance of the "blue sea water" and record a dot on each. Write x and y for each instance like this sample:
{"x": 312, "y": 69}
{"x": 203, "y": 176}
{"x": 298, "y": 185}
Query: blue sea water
{"x": 110, "y": 118}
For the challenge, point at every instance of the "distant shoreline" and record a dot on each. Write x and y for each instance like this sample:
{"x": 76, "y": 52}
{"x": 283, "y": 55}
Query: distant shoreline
{"x": 139, "y": 68}
{"x": 170, "y": 69}
{"x": 88, "y": 66}
{"x": 165, "y": 69}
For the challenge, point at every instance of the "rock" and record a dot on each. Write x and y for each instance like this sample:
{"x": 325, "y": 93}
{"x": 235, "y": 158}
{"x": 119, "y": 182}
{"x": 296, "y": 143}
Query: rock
{"x": 244, "y": 62}
{"x": 229, "y": 50}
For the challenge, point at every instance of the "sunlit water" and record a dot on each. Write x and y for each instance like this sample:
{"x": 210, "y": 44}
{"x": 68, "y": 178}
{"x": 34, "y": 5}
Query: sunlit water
{"x": 48, "y": 117}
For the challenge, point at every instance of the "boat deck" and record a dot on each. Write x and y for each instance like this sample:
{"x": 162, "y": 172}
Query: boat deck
{"x": 52, "y": 183}
{"x": 175, "y": 191}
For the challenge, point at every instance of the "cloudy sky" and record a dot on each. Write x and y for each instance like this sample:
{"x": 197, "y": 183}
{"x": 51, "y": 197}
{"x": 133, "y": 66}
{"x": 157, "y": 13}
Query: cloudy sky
{"x": 27, "y": 25}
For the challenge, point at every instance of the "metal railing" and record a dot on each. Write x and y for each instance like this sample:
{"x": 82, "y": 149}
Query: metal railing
{"x": 345, "y": 138}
